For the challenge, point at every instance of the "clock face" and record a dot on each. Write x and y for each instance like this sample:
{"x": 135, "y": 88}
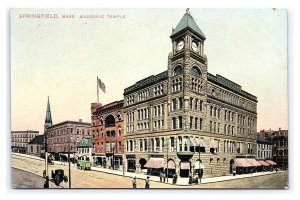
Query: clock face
{"x": 194, "y": 46}
{"x": 180, "y": 45}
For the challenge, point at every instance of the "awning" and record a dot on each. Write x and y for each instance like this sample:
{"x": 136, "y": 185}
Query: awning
{"x": 242, "y": 162}
{"x": 213, "y": 144}
{"x": 263, "y": 163}
{"x": 271, "y": 162}
{"x": 184, "y": 165}
{"x": 155, "y": 163}
{"x": 66, "y": 155}
{"x": 193, "y": 142}
{"x": 254, "y": 163}
{"x": 171, "y": 164}
{"x": 197, "y": 165}
{"x": 201, "y": 141}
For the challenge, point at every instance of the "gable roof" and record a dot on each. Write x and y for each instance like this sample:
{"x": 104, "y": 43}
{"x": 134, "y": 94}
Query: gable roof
{"x": 39, "y": 139}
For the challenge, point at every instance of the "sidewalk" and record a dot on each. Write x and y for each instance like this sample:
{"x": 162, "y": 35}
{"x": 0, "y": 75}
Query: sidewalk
{"x": 182, "y": 181}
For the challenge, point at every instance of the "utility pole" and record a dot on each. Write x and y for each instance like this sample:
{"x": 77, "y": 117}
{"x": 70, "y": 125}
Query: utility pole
{"x": 69, "y": 160}
{"x": 168, "y": 160}
{"x": 199, "y": 162}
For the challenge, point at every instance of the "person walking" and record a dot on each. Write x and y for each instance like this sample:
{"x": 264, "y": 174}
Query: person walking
{"x": 147, "y": 183}
{"x": 164, "y": 177}
{"x": 134, "y": 182}
{"x": 160, "y": 177}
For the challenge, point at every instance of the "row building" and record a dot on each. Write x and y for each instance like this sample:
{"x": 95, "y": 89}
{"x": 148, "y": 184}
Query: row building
{"x": 186, "y": 120}
{"x": 107, "y": 130}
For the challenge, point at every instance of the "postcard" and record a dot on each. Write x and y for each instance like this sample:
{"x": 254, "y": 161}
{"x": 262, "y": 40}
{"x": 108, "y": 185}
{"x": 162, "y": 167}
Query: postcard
{"x": 149, "y": 98}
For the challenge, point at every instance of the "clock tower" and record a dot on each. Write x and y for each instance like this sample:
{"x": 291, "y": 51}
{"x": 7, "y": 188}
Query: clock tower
{"x": 187, "y": 72}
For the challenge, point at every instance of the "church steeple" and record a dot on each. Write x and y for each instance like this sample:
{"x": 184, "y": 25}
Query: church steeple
{"x": 188, "y": 22}
{"x": 48, "y": 119}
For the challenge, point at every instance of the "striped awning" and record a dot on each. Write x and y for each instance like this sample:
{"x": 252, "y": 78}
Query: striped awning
{"x": 171, "y": 164}
{"x": 155, "y": 163}
{"x": 271, "y": 162}
{"x": 193, "y": 142}
{"x": 213, "y": 144}
{"x": 254, "y": 162}
{"x": 263, "y": 163}
{"x": 184, "y": 165}
{"x": 201, "y": 141}
{"x": 242, "y": 162}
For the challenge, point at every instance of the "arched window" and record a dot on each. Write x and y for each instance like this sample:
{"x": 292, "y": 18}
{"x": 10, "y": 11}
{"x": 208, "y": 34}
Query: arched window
{"x": 178, "y": 70}
{"x": 110, "y": 121}
{"x": 196, "y": 71}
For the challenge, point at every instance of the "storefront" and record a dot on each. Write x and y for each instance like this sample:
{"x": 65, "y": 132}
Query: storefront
{"x": 155, "y": 166}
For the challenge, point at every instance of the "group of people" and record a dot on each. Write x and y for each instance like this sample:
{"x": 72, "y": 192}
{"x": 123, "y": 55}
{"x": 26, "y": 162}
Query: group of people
{"x": 162, "y": 178}
{"x": 147, "y": 182}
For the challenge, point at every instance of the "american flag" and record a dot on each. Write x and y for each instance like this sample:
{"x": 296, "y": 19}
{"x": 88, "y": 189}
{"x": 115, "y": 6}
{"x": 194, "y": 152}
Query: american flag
{"x": 101, "y": 85}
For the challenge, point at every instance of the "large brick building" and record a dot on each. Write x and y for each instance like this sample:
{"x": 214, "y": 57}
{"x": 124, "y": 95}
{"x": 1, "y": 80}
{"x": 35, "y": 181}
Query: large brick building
{"x": 280, "y": 151}
{"x": 107, "y": 131}
{"x": 20, "y": 140}
{"x": 64, "y": 137}
{"x": 185, "y": 119}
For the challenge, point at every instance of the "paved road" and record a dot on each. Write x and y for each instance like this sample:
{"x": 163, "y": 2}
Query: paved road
{"x": 94, "y": 179}
{"x": 23, "y": 179}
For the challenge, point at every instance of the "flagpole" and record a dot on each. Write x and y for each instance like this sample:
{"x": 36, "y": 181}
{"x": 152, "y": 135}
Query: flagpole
{"x": 97, "y": 91}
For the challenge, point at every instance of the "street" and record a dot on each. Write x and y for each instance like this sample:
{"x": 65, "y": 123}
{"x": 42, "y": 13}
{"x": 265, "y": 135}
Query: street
{"x": 95, "y": 179}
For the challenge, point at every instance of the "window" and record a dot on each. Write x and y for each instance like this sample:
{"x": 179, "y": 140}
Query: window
{"x": 172, "y": 143}
{"x": 210, "y": 126}
{"x": 174, "y": 106}
{"x": 180, "y": 121}
{"x": 201, "y": 121}
{"x": 174, "y": 123}
{"x": 196, "y": 71}
{"x": 178, "y": 70}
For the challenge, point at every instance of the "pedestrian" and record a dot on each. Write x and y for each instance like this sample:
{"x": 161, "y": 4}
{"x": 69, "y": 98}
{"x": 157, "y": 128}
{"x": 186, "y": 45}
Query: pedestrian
{"x": 147, "y": 183}
{"x": 164, "y": 177}
{"x": 175, "y": 178}
{"x": 190, "y": 179}
{"x": 276, "y": 169}
{"x": 46, "y": 184}
{"x": 134, "y": 182}
{"x": 160, "y": 177}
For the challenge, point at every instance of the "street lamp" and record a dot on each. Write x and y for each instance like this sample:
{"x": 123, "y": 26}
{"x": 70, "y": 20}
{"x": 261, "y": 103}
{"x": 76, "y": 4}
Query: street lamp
{"x": 113, "y": 157}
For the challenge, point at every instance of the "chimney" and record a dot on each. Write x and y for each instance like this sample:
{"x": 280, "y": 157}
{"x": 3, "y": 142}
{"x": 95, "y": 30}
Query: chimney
{"x": 80, "y": 120}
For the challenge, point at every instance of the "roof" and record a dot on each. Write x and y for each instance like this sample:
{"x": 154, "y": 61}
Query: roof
{"x": 85, "y": 142}
{"x": 188, "y": 22}
{"x": 39, "y": 139}
{"x": 71, "y": 122}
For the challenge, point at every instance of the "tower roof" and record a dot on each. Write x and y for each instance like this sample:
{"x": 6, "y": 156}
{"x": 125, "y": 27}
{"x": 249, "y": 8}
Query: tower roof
{"x": 48, "y": 119}
{"x": 188, "y": 22}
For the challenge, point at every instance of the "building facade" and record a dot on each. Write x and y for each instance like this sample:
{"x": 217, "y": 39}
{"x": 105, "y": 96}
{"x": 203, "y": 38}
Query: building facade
{"x": 36, "y": 146}
{"x": 280, "y": 151}
{"x": 85, "y": 149}
{"x": 64, "y": 137}
{"x": 20, "y": 140}
{"x": 264, "y": 150}
{"x": 107, "y": 130}
{"x": 186, "y": 120}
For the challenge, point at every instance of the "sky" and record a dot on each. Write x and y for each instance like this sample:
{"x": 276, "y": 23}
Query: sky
{"x": 62, "y": 58}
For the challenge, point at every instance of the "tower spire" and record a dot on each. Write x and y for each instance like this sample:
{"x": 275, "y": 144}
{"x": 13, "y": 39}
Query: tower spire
{"x": 48, "y": 119}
